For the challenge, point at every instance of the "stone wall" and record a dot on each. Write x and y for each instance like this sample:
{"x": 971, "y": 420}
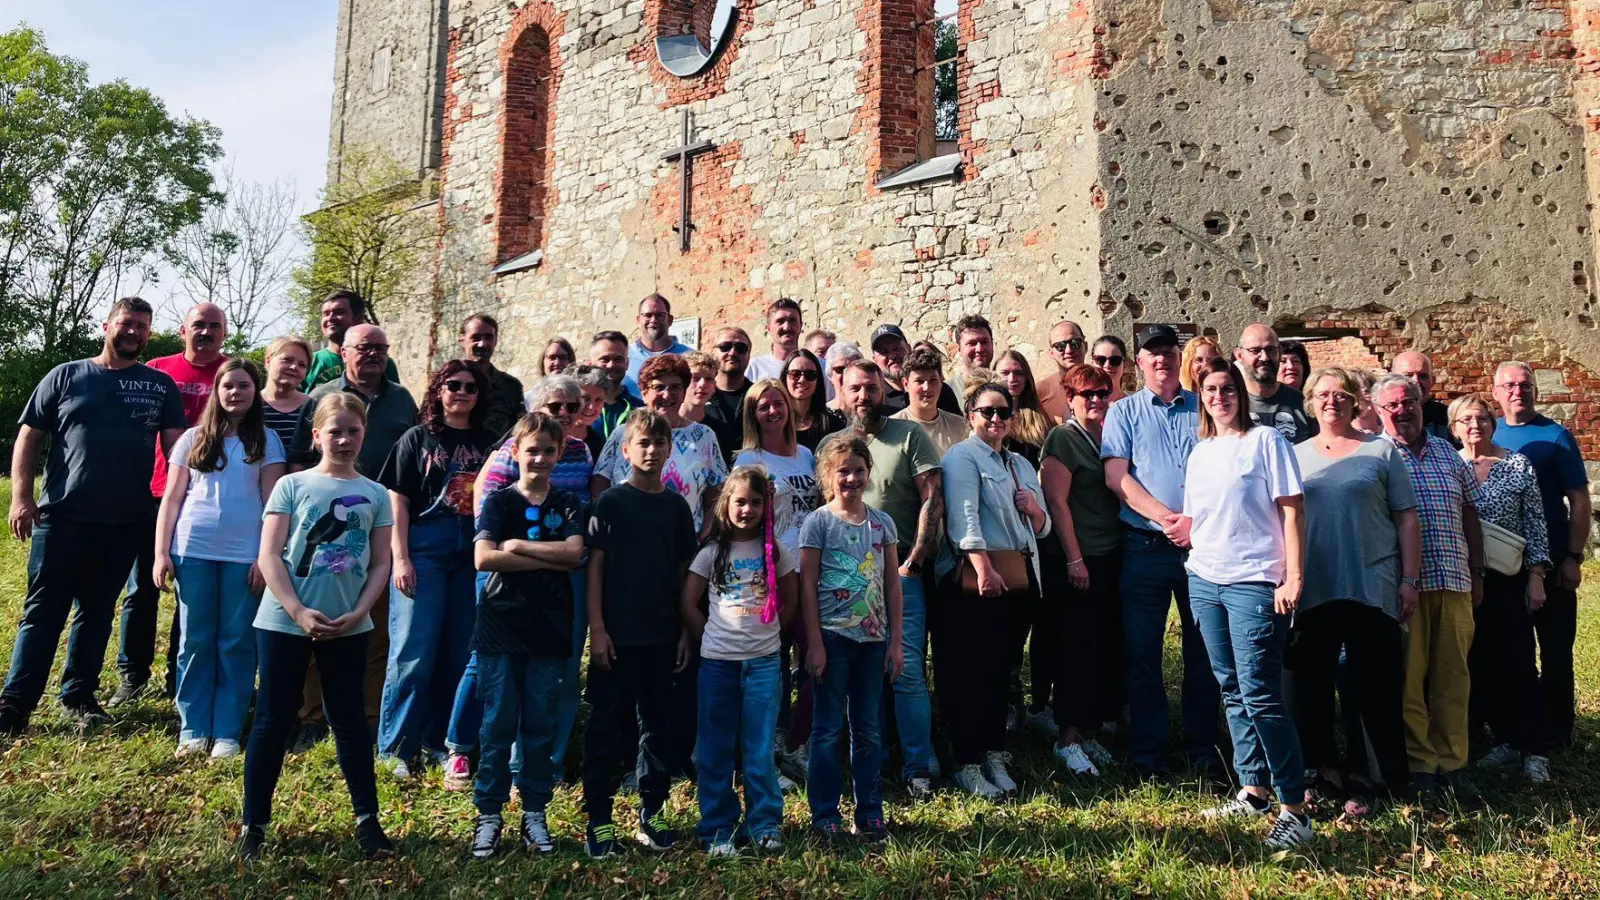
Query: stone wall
{"x": 388, "y": 81}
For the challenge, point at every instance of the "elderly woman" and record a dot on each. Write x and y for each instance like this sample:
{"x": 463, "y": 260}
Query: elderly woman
{"x": 803, "y": 379}
{"x": 1245, "y": 504}
{"x": 702, "y": 385}
{"x": 995, "y": 515}
{"x": 1110, "y": 355}
{"x": 1080, "y": 568}
{"x": 1196, "y": 353}
{"x": 1293, "y": 365}
{"x": 1504, "y": 678}
{"x": 839, "y": 358}
{"x": 1360, "y": 583}
{"x": 593, "y": 382}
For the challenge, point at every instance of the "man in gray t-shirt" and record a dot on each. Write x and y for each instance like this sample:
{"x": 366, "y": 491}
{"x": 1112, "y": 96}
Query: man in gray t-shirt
{"x": 1272, "y": 404}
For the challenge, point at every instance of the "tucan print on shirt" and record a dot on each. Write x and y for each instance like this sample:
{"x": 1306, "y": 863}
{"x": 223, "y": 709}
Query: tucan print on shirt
{"x": 328, "y": 528}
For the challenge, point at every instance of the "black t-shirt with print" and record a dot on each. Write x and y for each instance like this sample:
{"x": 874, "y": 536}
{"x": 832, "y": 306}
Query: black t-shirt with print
{"x": 527, "y": 613}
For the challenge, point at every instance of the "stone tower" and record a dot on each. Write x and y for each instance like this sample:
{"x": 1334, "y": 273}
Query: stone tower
{"x": 389, "y": 82}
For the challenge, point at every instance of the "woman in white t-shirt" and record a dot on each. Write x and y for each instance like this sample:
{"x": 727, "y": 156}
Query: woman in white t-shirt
{"x": 770, "y": 442}
{"x": 219, "y": 476}
{"x": 1247, "y": 528}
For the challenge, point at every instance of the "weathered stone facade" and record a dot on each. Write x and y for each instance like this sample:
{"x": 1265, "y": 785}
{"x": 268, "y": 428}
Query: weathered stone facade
{"x": 1382, "y": 172}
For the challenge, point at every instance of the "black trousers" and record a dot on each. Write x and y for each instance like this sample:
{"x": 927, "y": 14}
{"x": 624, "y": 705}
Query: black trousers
{"x": 1375, "y": 676}
{"x": 974, "y": 650}
{"x": 1556, "y": 626}
{"x": 141, "y": 613}
{"x": 1087, "y": 633}
{"x": 636, "y": 689}
{"x": 1505, "y": 682}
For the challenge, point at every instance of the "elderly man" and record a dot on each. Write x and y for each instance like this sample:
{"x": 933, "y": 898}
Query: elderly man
{"x": 480, "y": 336}
{"x": 1067, "y": 347}
{"x": 1564, "y": 488}
{"x": 1272, "y": 404}
{"x": 1437, "y": 684}
{"x": 1416, "y": 366}
{"x": 1147, "y": 439}
{"x": 340, "y": 311}
{"x": 654, "y": 318}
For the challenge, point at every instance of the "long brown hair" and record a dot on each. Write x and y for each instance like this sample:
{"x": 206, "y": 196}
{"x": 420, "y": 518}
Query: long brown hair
{"x": 209, "y": 453}
{"x": 757, "y": 481}
{"x": 1031, "y": 425}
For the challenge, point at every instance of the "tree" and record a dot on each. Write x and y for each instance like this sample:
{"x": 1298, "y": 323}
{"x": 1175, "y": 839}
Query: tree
{"x": 946, "y": 109}
{"x": 239, "y": 256}
{"x": 94, "y": 179}
{"x": 366, "y": 236}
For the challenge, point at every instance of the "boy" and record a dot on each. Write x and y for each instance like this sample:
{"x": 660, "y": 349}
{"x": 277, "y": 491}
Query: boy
{"x": 529, "y": 539}
{"x": 641, "y": 540}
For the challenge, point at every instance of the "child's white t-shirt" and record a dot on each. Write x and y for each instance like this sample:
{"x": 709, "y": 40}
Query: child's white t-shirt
{"x": 734, "y": 629}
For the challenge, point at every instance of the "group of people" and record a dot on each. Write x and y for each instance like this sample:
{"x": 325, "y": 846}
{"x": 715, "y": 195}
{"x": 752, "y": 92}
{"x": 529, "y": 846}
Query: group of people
{"x": 760, "y": 553}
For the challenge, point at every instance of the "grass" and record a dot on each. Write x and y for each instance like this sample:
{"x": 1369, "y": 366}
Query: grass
{"x": 112, "y": 814}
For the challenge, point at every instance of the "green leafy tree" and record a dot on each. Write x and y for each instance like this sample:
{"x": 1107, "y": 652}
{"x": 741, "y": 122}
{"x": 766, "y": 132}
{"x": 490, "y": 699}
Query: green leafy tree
{"x": 945, "y": 100}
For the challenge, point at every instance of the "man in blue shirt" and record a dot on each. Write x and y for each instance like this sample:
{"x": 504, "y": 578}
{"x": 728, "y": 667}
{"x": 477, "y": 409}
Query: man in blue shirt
{"x": 1146, "y": 444}
{"x": 1564, "y": 488}
{"x": 654, "y": 318}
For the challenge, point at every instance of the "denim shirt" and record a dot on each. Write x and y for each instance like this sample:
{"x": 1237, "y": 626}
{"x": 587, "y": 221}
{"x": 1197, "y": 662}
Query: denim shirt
{"x": 1156, "y": 438}
{"x": 980, "y": 506}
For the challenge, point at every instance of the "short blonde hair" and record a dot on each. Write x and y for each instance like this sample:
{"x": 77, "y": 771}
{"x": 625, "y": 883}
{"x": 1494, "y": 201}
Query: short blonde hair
{"x": 338, "y": 402}
{"x": 280, "y": 344}
{"x": 700, "y": 363}
{"x": 1461, "y": 404}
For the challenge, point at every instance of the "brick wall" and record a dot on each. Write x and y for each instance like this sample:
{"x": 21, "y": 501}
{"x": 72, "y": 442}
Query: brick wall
{"x": 527, "y": 132}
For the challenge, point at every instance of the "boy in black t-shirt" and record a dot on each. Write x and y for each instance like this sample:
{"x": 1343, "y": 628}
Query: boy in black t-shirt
{"x": 529, "y": 539}
{"x": 641, "y": 541}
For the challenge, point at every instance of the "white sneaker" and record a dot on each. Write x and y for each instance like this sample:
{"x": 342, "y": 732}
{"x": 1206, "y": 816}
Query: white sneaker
{"x": 394, "y": 767}
{"x": 971, "y": 780}
{"x": 192, "y": 747}
{"x": 1077, "y": 761}
{"x": 786, "y": 784}
{"x": 919, "y": 787}
{"x": 1502, "y": 757}
{"x": 225, "y": 749}
{"x": 1243, "y": 806}
{"x": 1096, "y": 752}
{"x": 1536, "y": 769}
{"x": 994, "y": 769}
{"x": 1289, "y": 831}
{"x": 722, "y": 849}
{"x": 1044, "y": 724}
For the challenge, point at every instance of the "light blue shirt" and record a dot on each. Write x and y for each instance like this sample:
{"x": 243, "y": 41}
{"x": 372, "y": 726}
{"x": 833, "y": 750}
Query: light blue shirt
{"x": 980, "y": 486}
{"x": 1156, "y": 438}
{"x": 638, "y": 355}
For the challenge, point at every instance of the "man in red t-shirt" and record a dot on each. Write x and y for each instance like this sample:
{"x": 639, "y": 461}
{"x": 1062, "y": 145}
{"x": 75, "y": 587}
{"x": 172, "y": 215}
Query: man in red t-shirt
{"x": 204, "y": 329}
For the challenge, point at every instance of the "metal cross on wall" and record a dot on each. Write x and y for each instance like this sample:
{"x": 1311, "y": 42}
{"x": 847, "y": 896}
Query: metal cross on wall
{"x": 684, "y": 155}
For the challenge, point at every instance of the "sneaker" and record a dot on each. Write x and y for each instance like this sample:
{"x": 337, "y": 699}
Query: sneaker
{"x": 1244, "y": 806}
{"x": 486, "y": 836}
{"x": 86, "y": 715}
{"x": 654, "y": 832}
{"x": 769, "y": 843}
{"x": 370, "y": 837}
{"x": 1291, "y": 830}
{"x": 601, "y": 841}
{"x": 457, "y": 772}
{"x": 128, "y": 690}
{"x": 13, "y": 723}
{"x": 830, "y": 832}
{"x": 872, "y": 831}
{"x": 434, "y": 759}
{"x": 1504, "y": 756}
{"x": 1462, "y": 785}
{"x": 1096, "y": 752}
{"x": 971, "y": 780}
{"x": 252, "y": 839}
{"x": 786, "y": 784}
{"x": 394, "y": 767}
{"x": 722, "y": 850}
{"x": 191, "y": 747}
{"x": 1536, "y": 769}
{"x": 1076, "y": 760}
{"x": 1424, "y": 787}
{"x": 226, "y": 749}
{"x": 1043, "y": 723}
{"x": 310, "y": 734}
{"x": 793, "y": 763}
{"x": 536, "y": 833}
{"x": 919, "y": 787}
{"x": 994, "y": 769}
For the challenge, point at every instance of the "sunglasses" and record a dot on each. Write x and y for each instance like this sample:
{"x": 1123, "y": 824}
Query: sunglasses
{"x": 735, "y": 346}
{"x": 803, "y": 374}
{"x": 1096, "y": 394}
{"x": 1074, "y": 343}
{"x": 461, "y": 387}
{"x": 1108, "y": 360}
{"x": 557, "y": 408}
{"x": 990, "y": 412}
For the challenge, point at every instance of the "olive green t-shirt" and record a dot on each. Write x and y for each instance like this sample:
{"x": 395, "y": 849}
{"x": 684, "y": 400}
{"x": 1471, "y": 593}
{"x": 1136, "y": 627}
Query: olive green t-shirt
{"x": 901, "y": 450}
{"x": 1094, "y": 507}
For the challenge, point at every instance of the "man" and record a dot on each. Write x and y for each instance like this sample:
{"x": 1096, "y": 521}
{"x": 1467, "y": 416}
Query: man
{"x": 342, "y": 309}
{"x": 783, "y": 329}
{"x": 725, "y": 409}
{"x": 103, "y": 418}
{"x": 654, "y": 318}
{"x": 1440, "y": 631}
{"x": 1067, "y": 346}
{"x": 974, "y": 341}
{"x": 608, "y": 351}
{"x": 889, "y": 350}
{"x": 924, "y": 378}
{"x": 1146, "y": 442}
{"x": 1435, "y": 414}
{"x": 480, "y": 336}
{"x": 1272, "y": 404}
{"x": 818, "y": 342}
{"x": 203, "y": 331}
{"x": 906, "y": 484}
{"x": 1564, "y": 488}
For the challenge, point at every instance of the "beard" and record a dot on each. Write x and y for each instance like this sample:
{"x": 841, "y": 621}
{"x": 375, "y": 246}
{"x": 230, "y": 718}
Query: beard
{"x": 126, "y": 348}
{"x": 867, "y": 423}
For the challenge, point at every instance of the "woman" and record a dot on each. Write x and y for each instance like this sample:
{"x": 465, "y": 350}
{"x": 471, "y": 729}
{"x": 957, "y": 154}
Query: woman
{"x": 839, "y": 358}
{"x": 1029, "y": 424}
{"x": 769, "y": 442}
{"x": 1080, "y": 570}
{"x": 287, "y": 360}
{"x": 1367, "y": 419}
{"x": 995, "y": 515}
{"x": 1502, "y": 658}
{"x": 702, "y": 385}
{"x": 592, "y": 381}
{"x": 1196, "y": 353}
{"x": 802, "y": 378}
{"x": 1359, "y": 499}
{"x": 1245, "y": 509}
{"x": 1293, "y": 365}
{"x": 1110, "y": 354}
{"x": 556, "y": 357}
{"x": 429, "y": 475}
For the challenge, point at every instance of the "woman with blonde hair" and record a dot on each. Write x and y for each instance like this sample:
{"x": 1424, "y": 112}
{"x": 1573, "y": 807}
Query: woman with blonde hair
{"x": 1195, "y": 354}
{"x": 287, "y": 358}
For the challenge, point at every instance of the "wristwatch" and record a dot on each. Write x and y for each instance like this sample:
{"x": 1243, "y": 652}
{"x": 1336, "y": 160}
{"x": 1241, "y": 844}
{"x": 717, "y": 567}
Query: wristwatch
{"x": 1576, "y": 555}
{"x": 914, "y": 568}
{"x": 1412, "y": 582}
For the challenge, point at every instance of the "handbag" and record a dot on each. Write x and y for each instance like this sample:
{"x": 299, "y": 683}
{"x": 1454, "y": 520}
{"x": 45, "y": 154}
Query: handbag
{"x": 1015, "y": 566}
{"x": 1502, "y": 548}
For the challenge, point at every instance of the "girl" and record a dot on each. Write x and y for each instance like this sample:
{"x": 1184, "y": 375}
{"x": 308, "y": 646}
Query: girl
{"x": 220, "y": 474}
{"x": 325, "y": 560}
{"x": 852, "y": 616}
{"x": 753, "y": 589}
{"x": 769, "y": 442}
{"x": 287, "y": 360}
{"x": 1029, "y": 424}
{"x": 802, "y": 378}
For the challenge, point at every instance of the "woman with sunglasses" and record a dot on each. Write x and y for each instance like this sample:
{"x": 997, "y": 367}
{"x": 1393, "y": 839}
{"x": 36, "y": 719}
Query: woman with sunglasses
{"x": 802, "y": 379}
{"x": 432, "y": 608}
{"x": 1108, "y": 354}
{"x": 556, "y": 357}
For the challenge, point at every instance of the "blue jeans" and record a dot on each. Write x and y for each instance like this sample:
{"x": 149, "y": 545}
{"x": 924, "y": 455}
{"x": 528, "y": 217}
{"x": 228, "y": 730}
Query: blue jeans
{"x": 519, "y": 695}
{"x": 851, "y": 682}
{"x": 217, "y": 659}
{"x": 913, "y": 712}
{"x": 738, "y": 719}
{"x": 1152, "y": 573}
{"x": 1245, "y": 638}
{"x": 430, "y": 637}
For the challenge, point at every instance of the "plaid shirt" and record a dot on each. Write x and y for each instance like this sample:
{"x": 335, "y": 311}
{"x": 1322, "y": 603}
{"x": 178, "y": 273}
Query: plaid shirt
{"x": 1443, "y": 482}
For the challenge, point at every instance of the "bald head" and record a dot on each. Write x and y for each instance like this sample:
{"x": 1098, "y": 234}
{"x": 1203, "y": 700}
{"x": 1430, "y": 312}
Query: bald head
{"x": 1257, "y": 357}
{"x": 1416, "y": 366}
{"x": 366, "y": 355}
{"x": 204, "y": 328}
{"x": 1067, "y": 344}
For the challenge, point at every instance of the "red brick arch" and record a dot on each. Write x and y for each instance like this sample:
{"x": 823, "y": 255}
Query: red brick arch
{"x": 530, "y": 60}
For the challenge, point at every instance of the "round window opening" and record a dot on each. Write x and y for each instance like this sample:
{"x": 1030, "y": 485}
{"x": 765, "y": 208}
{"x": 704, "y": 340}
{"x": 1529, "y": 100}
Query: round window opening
{"x": 692, "y": 33}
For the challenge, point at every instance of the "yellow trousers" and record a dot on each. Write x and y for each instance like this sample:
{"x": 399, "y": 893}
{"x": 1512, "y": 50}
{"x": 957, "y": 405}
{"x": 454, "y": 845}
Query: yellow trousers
{"x": 1438, "y": 638}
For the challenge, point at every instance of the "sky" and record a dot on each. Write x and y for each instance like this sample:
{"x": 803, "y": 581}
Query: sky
{"x": 261, "y": 72}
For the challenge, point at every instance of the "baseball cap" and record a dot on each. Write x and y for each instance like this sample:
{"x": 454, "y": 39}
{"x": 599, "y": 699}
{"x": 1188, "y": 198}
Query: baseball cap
{"x": 887, "y": 331}
{"x": 1156, "y": 335}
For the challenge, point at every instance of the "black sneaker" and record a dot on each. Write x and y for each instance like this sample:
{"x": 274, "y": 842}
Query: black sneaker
{"x": 1462, "y": 785}
{"x": 128, "y": 690}
{"x": 654, "y": 832}
{"x": 252, "y": 838}
{"x": 872, "y": 831}
{"x": 374, "y": 843}
{"x": 829, "y": 832}
{"x": 86, "y": 715}
{"x": 13, "y": 721}
{"x": 601, "y": 841}
{"x": 1424, "y": 787}
{"x": 486, "y": 836}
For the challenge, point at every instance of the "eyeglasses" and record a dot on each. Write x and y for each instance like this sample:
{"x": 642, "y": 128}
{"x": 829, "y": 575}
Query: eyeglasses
{"x": 1336, "y": 396}
{"x": 1268, "y": 350}
{"x": 1074, "y": 343}
{"x": 1108, "y": 361}
{"x": 1398, "y": 405}
{"x": 803, "y": 374}
{"x": 990, "y": 412}
{"x": 461, "y": 387}
{"x": 371, "y": 349}
{"x": 735, "y": 346}
{"x": 1517, "y": 387}
{"x": 1096, "y": 394}
{"x": 556, "y": 408}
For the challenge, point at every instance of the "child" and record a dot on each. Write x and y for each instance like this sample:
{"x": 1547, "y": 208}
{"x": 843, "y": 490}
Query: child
{"x": 852, "y": 618}
{"x": 219, "y": 475}
{"x": 325, "y": 559}
{"x": 529, "y": 539}
{"x": 753, "y": 588}
{"x": 641, "y": 539}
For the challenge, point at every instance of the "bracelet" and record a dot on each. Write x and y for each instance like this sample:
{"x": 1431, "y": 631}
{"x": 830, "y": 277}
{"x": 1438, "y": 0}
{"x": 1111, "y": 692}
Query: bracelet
{"x": 1073, "y": 562}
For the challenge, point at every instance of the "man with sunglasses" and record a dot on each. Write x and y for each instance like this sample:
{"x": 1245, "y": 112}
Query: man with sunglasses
{"x": 1067, "y": 347}
{"x": 653, "y": 318}
{"x": 725, "y": 410}
{"x": 1271, "y": 404}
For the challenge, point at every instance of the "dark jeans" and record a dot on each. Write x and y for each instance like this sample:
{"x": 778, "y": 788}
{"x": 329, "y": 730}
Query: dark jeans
{"x": 520, "y": 696}
{"x": 283, "y": 659}
{"x": 973, "y": 653}
{"x": 851, "y": 689}
{"x": 141, "y": 611}
{"x": 69, "y": 563}
{"x": 1556, "y": 625}
{"x": 637, "y": 688}
{"x": 1152, "y": 577}
{"x": 1505, "y": 682}
{"x": 1088, "y": 635}
{"x": 1375, "y": 676}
